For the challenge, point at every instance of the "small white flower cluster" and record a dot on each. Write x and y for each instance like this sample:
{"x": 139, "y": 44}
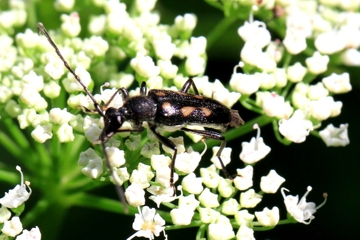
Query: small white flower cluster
{"x": 284, "y": 92}
{"x": 15, "y": 200}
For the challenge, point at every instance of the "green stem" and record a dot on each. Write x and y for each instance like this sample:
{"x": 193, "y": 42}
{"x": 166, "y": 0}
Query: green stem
{"x": 16, "y": 133}
{"x": 219, "y": 30}
{"x": 40, "y": 207}
{"x": 9, "y": 177}
{"x": 10, "y": 145}
{"x": 201, "y": 232}
{"x": 251, "y": 105}
{"x": 215, "y": 4}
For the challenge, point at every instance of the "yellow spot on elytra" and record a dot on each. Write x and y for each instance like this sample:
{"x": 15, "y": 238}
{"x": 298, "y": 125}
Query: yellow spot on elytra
{"x": 206, "y": 111}
{"x": 186, "y": 111}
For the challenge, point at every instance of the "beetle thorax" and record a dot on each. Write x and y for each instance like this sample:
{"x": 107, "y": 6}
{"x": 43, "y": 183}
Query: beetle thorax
{"x": 139, "y": 109}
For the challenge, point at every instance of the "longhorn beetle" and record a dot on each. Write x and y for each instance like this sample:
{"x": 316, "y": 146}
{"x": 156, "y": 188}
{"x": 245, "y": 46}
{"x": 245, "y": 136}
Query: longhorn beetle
{"x": 161, "y": 108}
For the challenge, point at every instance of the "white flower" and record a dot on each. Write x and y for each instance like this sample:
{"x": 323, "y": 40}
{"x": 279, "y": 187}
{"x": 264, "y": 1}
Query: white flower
{"x": 121, "y": 175}
{"x": 36, "y": 81}
{"x": 337, "y": 83}
{"x": 144, "y": 66}
{"x": 280, "y": 77}
{"x": 71, "y": 24}
{"x": 299, "y": 21}
{"x": 294, "y": 42}
{"x": 188, "y": 202}
{"x": 142, "y": 175}
{"x": 179, "y": 142}
{"x": 351, "y": 57}
{"x": 186, "y": 22}
{"x": 301, "y": 211}
{"x": 195, "y": 65}
{"x": 163, "y": 176}
{"x": 197, "y": 45}
{"x": 181, "y": 216}
{"x": 108, "y": 94}
{"x": 249, "y": 199}
{"x": 245, "y": 233}
{"x": 33, "y": 234}
{"x": 59, "y": 116}
{"x": 271, "y": 182}
{"x": 256, "y": 33}
{"x": 135, "y": 195}
{"x": 273, "y": 104}
{"x": 251, "y": 54}
{"x": 317, "y": 63}
{"x": 12, "y": 227}
{"x": 54, "y": 66}
{"x": 41, "y": 133}
{"x": 208, "y": 215}
{"x": 268, "y": 217}
{"x": 267, "y": 81}
{"x": 230, "y": 207}
{"x": 210, "y": 177}
{"x": 317, "y": 91}
{"x": 95, "y": 46}
{"x": 97, "y": 24}
{"x": 161, "y": 194}
{"x": 296, "y": 128}
{"x": 52, "y": 89}
{"x": 335, "y": 137}
{"x": 221, "y": 229}
{"x": 167, "y": 69}
{"x": 254, "y": 150}
{"x": 91, "y": 162}
{"x": 296, "y": 72}
{"x": 72, "y": 85}
{"x": 65, "y": 133}
{"x": 158, "y": 161}
{"x": 147, "y": 223}
{"x": 145, "y": 5}
{"x": 164, "y": 48}
{"x": 187, "y": 162}
{"x": 192, "y": 184}
{"x": 30, "y": 96}
{"x": 64, "y": 5}
{"x": 115, "y": 156}
{"x": 17, "y": 196}
{"x": 244, "y": 83}
{"x": 209, "y": 199}
{"x": 243, "y": 217}
{"x": 330, "y": 42}
{"x": 225, "y": 187}
{"x": 324, "y": 108}
{"x": 243, "y": 179}
{"x": 149, "y": 149}
{"x": 225, "y": 157}
{"x": 5, "y": 214}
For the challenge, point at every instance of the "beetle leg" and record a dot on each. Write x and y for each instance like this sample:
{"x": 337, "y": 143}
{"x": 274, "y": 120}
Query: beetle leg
{"x": 213, "y": 135}
{"x": 143, "y": 89}
{"x": 86, "y": 110}
{"x": 113, "y": 96}
{"x": 171, "y": 145}
{"x": 187, "y": 86}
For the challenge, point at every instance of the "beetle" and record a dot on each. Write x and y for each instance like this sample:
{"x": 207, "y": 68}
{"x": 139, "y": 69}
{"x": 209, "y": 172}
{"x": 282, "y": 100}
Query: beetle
{"x": 161, "y": 108}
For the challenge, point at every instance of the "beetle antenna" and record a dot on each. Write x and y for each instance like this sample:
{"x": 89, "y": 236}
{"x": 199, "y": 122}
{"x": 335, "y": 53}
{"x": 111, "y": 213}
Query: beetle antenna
{"x": 119, "y": 189}
{"x": 42, "y": 29}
